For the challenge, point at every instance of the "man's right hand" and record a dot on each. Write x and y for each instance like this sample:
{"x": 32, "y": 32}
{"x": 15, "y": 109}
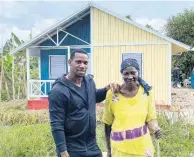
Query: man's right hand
{"x": 65, "y": 154}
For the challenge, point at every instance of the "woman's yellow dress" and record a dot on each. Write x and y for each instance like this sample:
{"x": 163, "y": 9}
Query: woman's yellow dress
{"x": 130, "y": 136}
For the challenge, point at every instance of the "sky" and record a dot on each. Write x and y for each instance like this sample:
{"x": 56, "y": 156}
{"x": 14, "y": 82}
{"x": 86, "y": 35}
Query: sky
{"x": 23, "y": 17}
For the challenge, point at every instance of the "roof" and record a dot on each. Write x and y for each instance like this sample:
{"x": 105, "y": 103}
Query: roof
{"x": 40, "y": 36}
{"x": 83, "y": 11}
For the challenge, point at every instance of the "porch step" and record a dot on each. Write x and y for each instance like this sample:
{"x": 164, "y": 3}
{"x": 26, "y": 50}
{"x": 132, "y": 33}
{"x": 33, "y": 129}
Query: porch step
{"x": 38, "y": 104}
{"x": 42, "y": 103}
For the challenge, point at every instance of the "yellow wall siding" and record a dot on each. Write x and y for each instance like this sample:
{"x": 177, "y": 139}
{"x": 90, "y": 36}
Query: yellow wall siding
{"x": 109, "y": 29}
{"x": 107, "y": 60}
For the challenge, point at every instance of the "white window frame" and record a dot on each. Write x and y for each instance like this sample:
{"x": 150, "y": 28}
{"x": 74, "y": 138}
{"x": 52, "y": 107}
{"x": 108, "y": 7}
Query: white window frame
{"x": 89, "y": 70}
{"x": 142, "y": 61}
{"x": 65, "y": 70}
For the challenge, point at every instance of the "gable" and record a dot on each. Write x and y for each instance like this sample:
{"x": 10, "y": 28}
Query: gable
{"x": 108, "y": 29}
{"x": 80, "y": 29}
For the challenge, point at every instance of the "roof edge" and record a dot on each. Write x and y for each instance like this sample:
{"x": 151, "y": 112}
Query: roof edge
{"x": 22, "y": 46}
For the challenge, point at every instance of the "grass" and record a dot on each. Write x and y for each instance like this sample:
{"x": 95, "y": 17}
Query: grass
{"x": 26, "y": 141}
{"x": 36, "y": 140}
{"x": 14, "y": 112}
{"x": 27, "y": 134}
{"x": 33, "y": 141}
{"x": 101, "y": 137}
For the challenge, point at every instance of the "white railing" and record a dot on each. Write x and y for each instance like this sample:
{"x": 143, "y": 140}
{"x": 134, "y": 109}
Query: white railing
{"x": 39, "y": 88}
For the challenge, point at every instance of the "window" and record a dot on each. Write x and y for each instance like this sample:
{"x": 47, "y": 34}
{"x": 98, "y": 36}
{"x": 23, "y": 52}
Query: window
{"x": 89, "y": 71}
{"x": 137, "y": 56}
{"x": 57, "y": 66}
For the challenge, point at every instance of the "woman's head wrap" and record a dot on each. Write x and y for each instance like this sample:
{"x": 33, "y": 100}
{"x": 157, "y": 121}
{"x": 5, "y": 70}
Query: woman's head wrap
{"x": 129, "y": 62}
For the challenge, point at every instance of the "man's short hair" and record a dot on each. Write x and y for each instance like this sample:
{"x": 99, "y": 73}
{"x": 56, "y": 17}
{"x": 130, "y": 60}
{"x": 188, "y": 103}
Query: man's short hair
{"x": 77, "y": 51}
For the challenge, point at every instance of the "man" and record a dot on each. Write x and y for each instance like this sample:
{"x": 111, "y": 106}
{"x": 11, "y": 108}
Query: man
{"x": 176, "y": 75}
{"x": 72, "y": 108}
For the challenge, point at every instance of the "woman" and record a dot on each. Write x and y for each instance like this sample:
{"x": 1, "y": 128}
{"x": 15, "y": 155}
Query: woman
{"x": 129, "y": 114}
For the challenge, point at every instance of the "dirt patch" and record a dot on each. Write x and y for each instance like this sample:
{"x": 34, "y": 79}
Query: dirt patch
{"x": 183, "y": 97}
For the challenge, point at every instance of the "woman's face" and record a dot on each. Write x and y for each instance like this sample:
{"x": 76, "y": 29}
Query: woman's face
{"x": 130, "y": 76}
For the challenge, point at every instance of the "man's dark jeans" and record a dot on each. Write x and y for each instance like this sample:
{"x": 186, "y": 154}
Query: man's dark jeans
{"x": 95, "y": 152}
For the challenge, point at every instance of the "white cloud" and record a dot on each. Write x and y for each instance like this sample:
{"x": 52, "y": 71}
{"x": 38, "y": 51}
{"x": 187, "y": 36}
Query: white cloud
{"x": 157, "y": 23}
{"x": 6, "y": 30}
{"x": 12, "y": 9}
{"x": 24, "y": 34}
{"x": 40, "y": 26}
{"x": 142, "y": 20}
{"x": 191, "y": 5}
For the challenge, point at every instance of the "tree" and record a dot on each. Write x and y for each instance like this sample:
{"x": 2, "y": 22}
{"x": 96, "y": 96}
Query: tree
{"x": 128, "y": 17}
{"x": 13, "y": 78}
{"x": 181, "y": 28}
{"x": 11, "y": 44}
{"x": 150, "y": 27}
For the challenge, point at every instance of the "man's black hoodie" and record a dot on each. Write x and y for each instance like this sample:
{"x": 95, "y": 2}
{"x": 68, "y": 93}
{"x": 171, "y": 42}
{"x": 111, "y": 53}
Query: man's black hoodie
{"x": 72, "y": 119}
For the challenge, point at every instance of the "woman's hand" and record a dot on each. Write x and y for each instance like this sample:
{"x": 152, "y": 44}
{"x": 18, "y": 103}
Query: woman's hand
{"x": 155, "y": 129}
{"x": 158, "y": 133}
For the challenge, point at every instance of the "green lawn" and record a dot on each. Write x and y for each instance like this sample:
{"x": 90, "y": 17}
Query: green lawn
{"x": 33, "y": 141}
{"x": 36, "y": 140}
{"x": 27, "y": 134}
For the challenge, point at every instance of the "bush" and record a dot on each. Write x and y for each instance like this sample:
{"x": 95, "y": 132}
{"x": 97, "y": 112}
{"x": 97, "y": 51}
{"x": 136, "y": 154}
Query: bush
{"x": 4, "y": 95}
{"x": 36, "y": 140}
{"x": 27, "y": 118}
{"x": 14, "y": 112}
{"x": 13, "y": 105}
{"x": 178, "y": 139}
{"x": 27, "y": 141}
{"x": 101, "y": 136}
{"x": 33, "y": 141}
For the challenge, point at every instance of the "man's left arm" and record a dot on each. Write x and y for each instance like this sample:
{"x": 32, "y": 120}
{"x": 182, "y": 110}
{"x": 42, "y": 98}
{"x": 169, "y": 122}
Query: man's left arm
{"x": 101, "y": 93}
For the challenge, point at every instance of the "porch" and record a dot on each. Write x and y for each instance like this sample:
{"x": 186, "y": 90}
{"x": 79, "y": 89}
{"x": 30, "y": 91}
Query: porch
{"x": 52, "y": 52}
{"x": 38, "y": 94}
{"x": 39, "y": 88}
{"x": 52, "y": 63}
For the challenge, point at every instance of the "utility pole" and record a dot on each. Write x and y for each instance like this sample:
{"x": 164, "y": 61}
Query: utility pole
{"x": 1, "y": 74}
{"x": 13, "y": 81}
